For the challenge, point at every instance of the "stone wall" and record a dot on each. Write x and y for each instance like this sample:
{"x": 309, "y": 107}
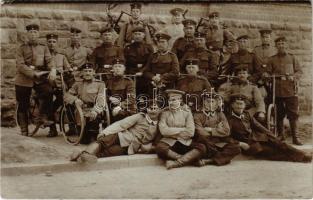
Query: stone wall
{"x": 291, "y": 20}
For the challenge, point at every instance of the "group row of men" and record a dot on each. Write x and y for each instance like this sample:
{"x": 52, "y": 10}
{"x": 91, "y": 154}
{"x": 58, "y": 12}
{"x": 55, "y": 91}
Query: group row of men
{"x": 193, "y": 63}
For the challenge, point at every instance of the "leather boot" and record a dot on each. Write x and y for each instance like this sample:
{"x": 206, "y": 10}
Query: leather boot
{"x": 293, "y": 127}
{"x": 23, "y": 122}
{"x": 89, "y": 155}
{"x": 203, "y": 162}
{"x": 173, "y": 155}
{"x": 186, "y": 159}
{"x": 280, "y": 130}
{"x": 53, "y": 131}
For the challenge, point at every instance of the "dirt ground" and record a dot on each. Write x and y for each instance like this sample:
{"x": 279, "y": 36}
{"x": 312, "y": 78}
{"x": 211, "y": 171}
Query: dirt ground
{"x": 40, "y": 149}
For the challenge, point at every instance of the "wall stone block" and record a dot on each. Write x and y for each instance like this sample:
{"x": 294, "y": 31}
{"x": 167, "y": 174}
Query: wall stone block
{"x": 8, "y": 36}
{"x": 7, "y": 22}
{"x": 8, "y": 51}
{"x": 8, "y": 68}
{"x": 48, "y": 25}
{"x": 26, "y": 13}
{"x": 278, "y": 26}
{"x": 63, "y": 25}
{"x": 305, "y": 27}
{"x": 44, "y": 14}
{"x": 96, "y": 26}
{"x": 10, "y": 11}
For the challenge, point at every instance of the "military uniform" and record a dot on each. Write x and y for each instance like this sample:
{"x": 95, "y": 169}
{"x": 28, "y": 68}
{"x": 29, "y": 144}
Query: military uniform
{"x": 77, "y": 55}
{"x": 181, "y": 45}
{"x": 215, "y": 37}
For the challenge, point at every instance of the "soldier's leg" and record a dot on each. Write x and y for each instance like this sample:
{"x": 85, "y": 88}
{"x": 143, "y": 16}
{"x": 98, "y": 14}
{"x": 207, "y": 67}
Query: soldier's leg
{"x": 165, "y": 152}
{"x": 292, "y": 108}
{"x": 226, "y": 154}
{"x": 281, "y": 110}
{"x": 91, "y": 131}
{"x": 23, "y": 102}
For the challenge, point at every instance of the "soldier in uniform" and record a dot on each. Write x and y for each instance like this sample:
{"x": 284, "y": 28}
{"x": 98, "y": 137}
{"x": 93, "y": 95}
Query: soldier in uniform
{"x": 241, "y": 85}
{"x": 61, "y": 64}
{"x": 193, "y": 85}
{"x": 103, "y": 56}
{"x": 286, "y": 64}
{"x": 244, "y": 57}
{"x": 136, "y": 57}
{"x": 125, "y": 35}
{"x": 213, "y": 131}
{"x": 32, "y": 62}
{"x": 84, "y": 93}
{"x": 177, "y": 129}
{"x": 121, "y": 92}
{"x": 175, "y": 29}
{"x": 182, "y": 44}
{"x": 162, "y": 66}
{"x": 131, "y": 135}
{"x": 208, "y": 60}
{"x": 256, "y": 140}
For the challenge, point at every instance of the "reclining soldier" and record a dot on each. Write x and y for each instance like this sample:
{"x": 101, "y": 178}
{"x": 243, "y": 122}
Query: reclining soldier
{"x": 85, "y": 93}
{"x": 177, "y": 129}
{"x": 256, "y": 140}
{"x": 133, "y": 134}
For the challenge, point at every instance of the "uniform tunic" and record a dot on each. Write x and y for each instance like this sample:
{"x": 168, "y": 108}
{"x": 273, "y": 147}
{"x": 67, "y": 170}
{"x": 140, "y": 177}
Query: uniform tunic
{"x": 181, "y": 45}
{"x": 216, "y": 36}
{"x": 264, "y": 52}
{"x": 77, "y": 55}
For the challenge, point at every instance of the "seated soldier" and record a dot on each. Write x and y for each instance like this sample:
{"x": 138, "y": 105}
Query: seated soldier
{"x": 193, "y": 85}
{"x": 255, "y": 139}
{"x": 133, "y": 134}
{"x": 213, "y": 131}
{"x": 84, "y": 93}
{"x": 241, "y": 85}
{"x": 177, "y": 129}
{"x": 121, "y": 92}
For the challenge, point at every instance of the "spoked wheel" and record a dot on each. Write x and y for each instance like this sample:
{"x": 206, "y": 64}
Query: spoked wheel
{"x": 271, "y": 119}
{"x": 72, "y": 123}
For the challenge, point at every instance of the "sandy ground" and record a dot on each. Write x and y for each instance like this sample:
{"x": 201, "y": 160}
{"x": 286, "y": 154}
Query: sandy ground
{"x": 240, "y": 179}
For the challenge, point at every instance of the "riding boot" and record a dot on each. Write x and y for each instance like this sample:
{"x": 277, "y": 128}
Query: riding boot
{"x": 280, "y": 129}
{"x": 53, "y": 131}
{"x": 293, "y": 127}
{"x": 23, "y": 122}
{"x": 186, "y": 159}
{"x": 173, "y": 155}
{"x": 89, "y": 154}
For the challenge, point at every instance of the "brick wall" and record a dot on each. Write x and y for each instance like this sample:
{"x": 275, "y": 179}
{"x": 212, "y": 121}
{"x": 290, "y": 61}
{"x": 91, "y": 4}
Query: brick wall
{"x": 291, "y": 20}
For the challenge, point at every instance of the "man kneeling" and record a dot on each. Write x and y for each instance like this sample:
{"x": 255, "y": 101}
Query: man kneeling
{"x": 125, "y": 137}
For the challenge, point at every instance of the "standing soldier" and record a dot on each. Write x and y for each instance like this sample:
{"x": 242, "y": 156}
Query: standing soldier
{"x": 61, "y": 64}
{"x": 162, "y": 66}
{"x": 193, "y": 85}
{"x": 125, "y": 35}
{"x": 182, "y": 44}
{"x": 103, "y": 56}
{"x": 207, "y": 59}
{"x": 175, "y": 29}
{"x": 287, "y": 101}
{"x": 136, "y": 57}
{"x": 33, "y": 59}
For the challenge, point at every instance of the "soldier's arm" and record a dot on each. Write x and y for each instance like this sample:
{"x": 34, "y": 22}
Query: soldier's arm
{"x": 257, "y": 126}
{"x": 258, "y": 100}
{"x": 207, "y": 85}
{"x": 120, "y": 40}
{"x": 120, "y": 53}
{"x": 199, "y": 125}
{"x": 221, "y": 129}
{"x": 228, "y": 35}
{"x": 190, "y": 124}
{"x": 213, "y": 64}
{"x": 174, "y": 48}
{"x": 66, "y": 64}
{"x": 48, "y": 59}
{"x": 256, "y": 69}
{"x": 100, "y": 106}
{"x": 21, "y": 65}
{"x": 173, "y": 74}
{"x": 147, "y": 69}
{"x": 71, "y": 95}
{"x": 129, "y": 103}
{"x": 165, "y": 130}
{"x": 92, "y": 59}
{"x": 148, "y": 35}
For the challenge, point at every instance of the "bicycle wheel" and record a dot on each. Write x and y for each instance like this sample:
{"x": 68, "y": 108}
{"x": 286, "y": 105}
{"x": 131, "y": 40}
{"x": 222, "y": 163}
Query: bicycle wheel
{"x": 72, "y": 123}
{"x": 271, "y": 119}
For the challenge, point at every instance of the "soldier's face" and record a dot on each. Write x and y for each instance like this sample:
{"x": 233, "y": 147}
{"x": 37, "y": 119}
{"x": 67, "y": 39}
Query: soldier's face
{"x": 200, "y": 42}
{"x": 281, "y": 46}
{"x": 214, "y": 21}
{"x": 107, "y": 37}
{"x": 33, "y": 35}
{"x": 238, "y": 106}
{"x": 135, "y": 13}
{"x": 177, "y": 19}
{"x": 153, "y": 112}
{"x": 266, "y": 39}
{"x": 243, "y": 44}
{"x": 88, "y": 74}
{"x": 210, "y": 104}
{"x": 76, "y": 38}
{"x": 138, "y": 36}
{"x": 118, "y": 69}
{"x": 189, "y": 30}
{"x": 162, "y": 44}
{"x": 52, "y": 44}
{"x": 192, "y": 69}
{"x": 243, "y": 75}
{"x": 174, "y": 101}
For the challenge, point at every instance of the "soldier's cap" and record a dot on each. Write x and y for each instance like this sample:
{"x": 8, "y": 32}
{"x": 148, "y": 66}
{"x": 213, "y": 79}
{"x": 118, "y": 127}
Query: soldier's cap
{"x": 281, "y": 39}
{"x": 32, "y": 26}
{"x": 171, "y": 92}
{"x": 242, "y": 37}
{"x": 139, "y": 29}
{"x": 52, "y": 36}
{"x": 237, "y": 96}
{"x": 240, "y": 68}
{"x": 177, "y": 11}
{"x": 214, "y": 14}
{"x": 265, "y": 31}
{"x": 75, "y": 29}
{"x": 135, "y": 5}
{"x": 118, "y": 60}
{"x": 189, "y": 22}
{"x": 86, "y": 66}
{"x": 210, "y": 95}
{"x": 192, "y": 61}
{"x": 228, "y": 41}
{"x": 107, "y": 29}
{"x": 199, "y": 35}
{"x": 159, "y": 36}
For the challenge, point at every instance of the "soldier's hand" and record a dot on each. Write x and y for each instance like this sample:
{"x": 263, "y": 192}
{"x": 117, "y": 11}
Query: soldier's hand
{"x": 265, "y": 75}
{"x": 116, "y": 110}
{"x": 92, "y": 115}
{"x": 53, "y": 74}
{"x": 184, "y": 135}
{"x": 139, "y": 74}
{"x": 39, "y": 74}
{"x": 261, "y": 115}
{"x": 244, "y": 145}
{"x": 145, "y": 148}
{"x": 79, "y": 102}
{"x": 156, "y": 78}
{"x": 114, "y": 100}
{"x": 290, "y": 77}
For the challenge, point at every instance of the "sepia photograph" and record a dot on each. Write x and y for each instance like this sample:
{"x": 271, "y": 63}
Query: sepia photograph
{"x": 169, "y": 99}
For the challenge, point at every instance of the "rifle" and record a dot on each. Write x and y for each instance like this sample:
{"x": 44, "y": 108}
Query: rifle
{"x": 200, "y": 22}
{"x": 115, "y": 25}
{"x": 185, "y": 12}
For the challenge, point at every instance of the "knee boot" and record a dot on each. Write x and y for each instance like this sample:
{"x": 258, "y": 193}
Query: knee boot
{"x": 23, "y": 122}
{"x": 53, "y": 131}
{"x": 293, "y": 127}
{"x": 173, "y": 155}
{"x": 89, "y": 155}
{"x": 186, "y": 159}
{"x": 280, "y": 129}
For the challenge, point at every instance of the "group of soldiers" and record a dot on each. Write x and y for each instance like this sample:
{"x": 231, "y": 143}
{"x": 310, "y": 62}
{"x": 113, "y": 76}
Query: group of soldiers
{"x": 188, "y": 64}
